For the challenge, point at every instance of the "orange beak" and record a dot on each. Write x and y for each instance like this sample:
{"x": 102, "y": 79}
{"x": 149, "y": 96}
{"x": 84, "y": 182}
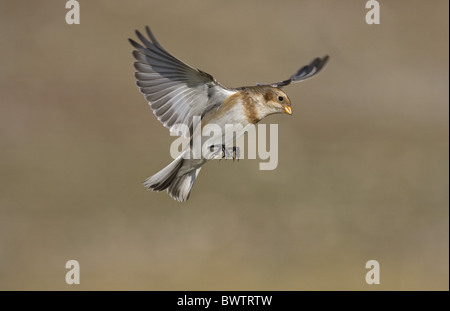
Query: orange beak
{"x": 288, "y": 109}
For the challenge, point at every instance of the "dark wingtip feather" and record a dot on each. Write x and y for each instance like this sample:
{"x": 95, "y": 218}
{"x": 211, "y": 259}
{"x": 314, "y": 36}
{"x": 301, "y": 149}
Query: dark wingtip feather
{"x": 152, "y": 37}
{"x": 321, "y": 62}
{"x": 135, "y": 44}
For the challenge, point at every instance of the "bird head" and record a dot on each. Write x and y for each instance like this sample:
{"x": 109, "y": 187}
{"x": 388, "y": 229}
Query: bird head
{"x": 273, "y": 100}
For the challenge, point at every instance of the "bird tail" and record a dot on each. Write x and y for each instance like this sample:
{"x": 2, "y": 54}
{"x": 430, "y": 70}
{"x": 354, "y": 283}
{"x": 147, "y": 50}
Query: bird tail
{"x": 178, "y": 186}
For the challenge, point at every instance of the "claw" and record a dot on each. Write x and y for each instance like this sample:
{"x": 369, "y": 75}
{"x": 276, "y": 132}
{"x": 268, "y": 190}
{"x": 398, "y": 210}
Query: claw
{"x": 236, "y": 153}
{"x": 230, "y": 153}
{"x": 223, "y": 151}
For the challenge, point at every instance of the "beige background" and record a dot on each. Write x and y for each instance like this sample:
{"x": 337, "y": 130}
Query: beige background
{"x": 363, "y": 161}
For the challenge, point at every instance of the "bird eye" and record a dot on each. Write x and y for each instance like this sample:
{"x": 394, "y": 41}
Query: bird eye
{"x": 280, "y": 98}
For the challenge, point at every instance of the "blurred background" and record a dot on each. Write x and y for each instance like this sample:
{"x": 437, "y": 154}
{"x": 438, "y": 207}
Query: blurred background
{"x": 363, "y": 161}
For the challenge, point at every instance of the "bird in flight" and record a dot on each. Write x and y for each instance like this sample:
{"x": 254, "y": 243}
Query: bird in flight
{"x": 178, "y": 93}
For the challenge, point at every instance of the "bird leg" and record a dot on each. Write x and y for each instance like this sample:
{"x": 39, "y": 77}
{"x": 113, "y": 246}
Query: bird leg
{"x": 231, "y": 153}
{"x": 222, "y": 152}
{"x": 236, "y": 153}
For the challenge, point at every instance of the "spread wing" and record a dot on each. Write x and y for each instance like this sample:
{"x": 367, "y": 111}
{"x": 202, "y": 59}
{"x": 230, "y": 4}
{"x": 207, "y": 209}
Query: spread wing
{"x": 175, "y": 91}
{"x": 305, "y": 72}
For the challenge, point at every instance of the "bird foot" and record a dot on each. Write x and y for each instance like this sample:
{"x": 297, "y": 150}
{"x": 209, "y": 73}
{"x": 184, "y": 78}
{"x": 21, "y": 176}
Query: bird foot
{"x": 222, "y": 152}
{"x": 231, "y": 153}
